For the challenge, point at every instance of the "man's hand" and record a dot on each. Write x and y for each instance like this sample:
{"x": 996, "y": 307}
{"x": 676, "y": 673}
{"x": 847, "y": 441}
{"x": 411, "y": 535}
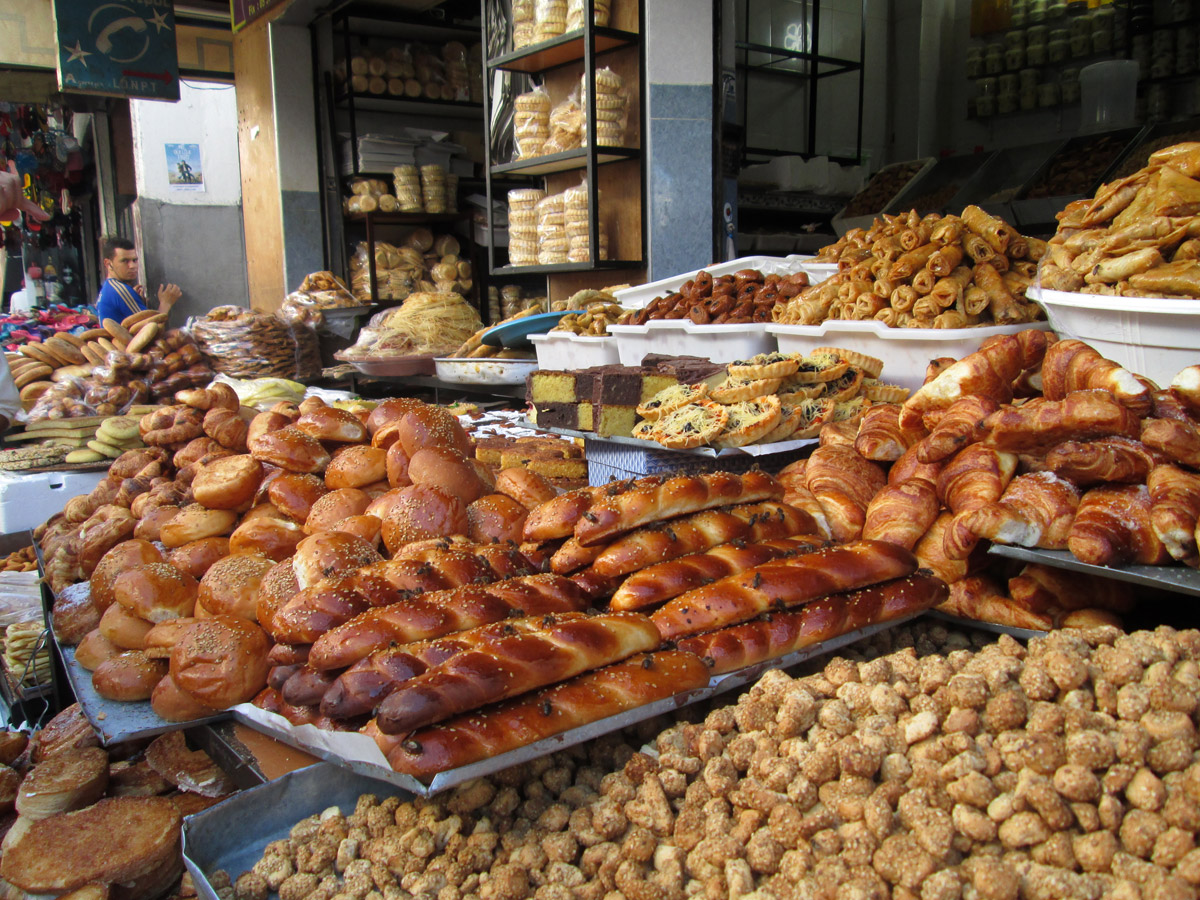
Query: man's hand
{"x": 13, "y": 201}
{"x": 167, "y": 295}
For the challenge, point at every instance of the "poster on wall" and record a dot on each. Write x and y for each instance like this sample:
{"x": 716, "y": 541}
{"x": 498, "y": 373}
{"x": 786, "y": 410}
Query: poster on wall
{"x": 184, "y": 170}
{"x": 124, "y": 48}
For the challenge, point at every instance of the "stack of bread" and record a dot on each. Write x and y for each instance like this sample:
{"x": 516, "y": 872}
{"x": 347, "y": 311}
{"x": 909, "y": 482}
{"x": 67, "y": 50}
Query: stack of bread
{"x": 422, "y": 263}
{"x": 1028, "y": 441}
{"x": 612, "y": 103}
{"x": 93, "y": 823}
{"x": 523, "y": 226}
{"x": 531, "y": 122}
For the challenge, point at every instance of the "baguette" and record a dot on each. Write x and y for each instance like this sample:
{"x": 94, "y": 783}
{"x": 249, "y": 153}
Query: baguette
{"x": 315, "y": 610}
{"x": 586, "y": 698}
{"x": 782, "y": 583}
{"x": 645, "y": 503}
{"x": 572, "y": 556}
{"x": 701, "y": 531}
{"x": 440, "y": 613}
{"x": 778, "y": 634}
{"x": 665, "y": 580}
{"x": 362, "y": 687}
{"x": 556, "y": 518}
{"x": 514, "y": 665}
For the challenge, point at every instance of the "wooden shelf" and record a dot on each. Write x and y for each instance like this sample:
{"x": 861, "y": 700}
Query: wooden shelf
{"x": 565, "y": 161}
{"x": 562, "y": 50}
{"x": 558, "y": 268}
{"x": 398, "y": 218}
{"x": 459, "y": 109}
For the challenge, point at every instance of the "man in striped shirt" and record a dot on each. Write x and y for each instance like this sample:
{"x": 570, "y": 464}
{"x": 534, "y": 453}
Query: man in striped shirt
{"x": 121, "y": 295}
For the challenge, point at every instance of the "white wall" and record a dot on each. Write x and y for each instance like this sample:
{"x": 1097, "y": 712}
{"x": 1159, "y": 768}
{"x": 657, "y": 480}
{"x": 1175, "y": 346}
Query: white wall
{"x": 206, "y": 114}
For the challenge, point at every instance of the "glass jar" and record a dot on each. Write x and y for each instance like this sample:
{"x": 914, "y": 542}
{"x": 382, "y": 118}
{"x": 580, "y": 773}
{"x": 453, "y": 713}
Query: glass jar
{"x": 1139, "y": 52}
{"x": 974, "y": 62}
{"x": 1181, "y": 10}
{"x": 1102, "y": 30}
{"x": 1014, "y": 58}
{"x": 1027, "y": 80}
{"x": 1055, "y": 8}
{"x": 1069, "y": 85}
{"x": 1006, "y": 85}
{"x": 1058, "y": 46}
{"x": 993, "y": 59}
{"x": 1156, "y": 102}
{"x": 1006, "y": 103}
{"x": 1014, "y": 38}
{"x": 1163, "y": 42}
{"x": 1185, "y": 50}
{"x": 1019, "y": 15}
{"x": 1048, "y": 94}
{"x": 1028, "y": 99}
{"x": 1079, "y": 26}
{"x": 1035, "y": 11}
{"x": 985, "y": 96}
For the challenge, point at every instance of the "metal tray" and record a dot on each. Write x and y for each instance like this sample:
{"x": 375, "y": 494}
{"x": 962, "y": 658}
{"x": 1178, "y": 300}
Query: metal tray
{"x": 1024, "y": 634}
{"x": 360, "y": 754}
{"x": 1179, "y": 579}
{"x": 232, "y": 834}
{"x": 484, "y": 371}
{"x": 954, "y": 171}
{"x": 710, "y": 452}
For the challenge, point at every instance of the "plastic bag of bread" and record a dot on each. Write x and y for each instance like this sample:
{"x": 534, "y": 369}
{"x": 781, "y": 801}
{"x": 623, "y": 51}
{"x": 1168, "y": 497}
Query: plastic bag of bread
{"x": 549, "y": 19}
{"x": 566, "y": 124}
{"x": 251, "y": 345}
{"x": 531, "y": 122}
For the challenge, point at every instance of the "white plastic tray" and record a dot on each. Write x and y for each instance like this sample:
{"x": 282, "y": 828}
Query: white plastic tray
{"x": 905, "y": 351}
{"x": 641, "y": 295}
{"x": 679, "y": 337}
{"x": 561, "y": 350}
{"x": 1152, "y": 337}
{"x": 485, "y": 371}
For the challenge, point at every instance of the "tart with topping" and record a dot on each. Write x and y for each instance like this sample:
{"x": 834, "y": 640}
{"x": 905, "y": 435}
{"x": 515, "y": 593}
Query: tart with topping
{"x": 749, "y": 420}
{"x": 669, "y": 399}
{"x": 819, "y": 366}
{"x": 869, "y": 364}
{"x": 691, "y": 426}
{"x": 813, "y": 414}
{"x": 765, "y": 365}
{"x": 737, "y": 390}
{"x": 845, "y": 387}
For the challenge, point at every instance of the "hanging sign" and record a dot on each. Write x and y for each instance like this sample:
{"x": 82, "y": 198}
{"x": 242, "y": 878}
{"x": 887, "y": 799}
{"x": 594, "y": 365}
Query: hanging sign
{"x": 124, "y": 48}
{"x": 243, "y": 12}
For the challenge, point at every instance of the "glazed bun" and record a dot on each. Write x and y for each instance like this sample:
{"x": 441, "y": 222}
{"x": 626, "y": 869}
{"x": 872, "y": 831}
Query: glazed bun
{"x": 445, "y": 468}
{"x": 277, "y": 587}
{"x": 195, "y": 522}
{"x": 128, "y": 677}
{"x": 290, "y": 449}
{"x": 265, "y": 423}
{"x": 94, "y": 649}
{"x": 327, "y": 423}
{"x": 432, "y": 426}
{"x": 330, "y": 553}
{"x": 486, "y": 475}
{"x": 390, "y": 412}
{"x": 156, "y": 592}
{"x": 165, "y": 635}
{"x": 221, "y": 661}
{"x": 126, "y": 555}
{"x": 375, "y": 489}
{"x": 149, "y": 527}
{"x": 265, "y": 510}
{"x": 397, "y": 466}
{"x": 73, "y": 616}
{"x": 495, "y": 518}
{"x": 355, "y": 466}
{"x": 423, "y": 511}
{"x": 230, "y": 587}
{"x": 227, "y": 483}
{"x": 273, "y": 538}
{"x": 383, "y": 503}
{"x": 335, "y": 506}
{"x": 528, "y": 488}
{"x": 386, "y": 436}
{"x": 366, "y": 527}
{"x": 196, "y": 558}
{"x": 294, "y": 495}
{"x": 194, "y": 451}
{"x": 176, "y": 705}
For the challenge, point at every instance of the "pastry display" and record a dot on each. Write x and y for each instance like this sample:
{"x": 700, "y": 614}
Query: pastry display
{"x": 745, "y": 296}
{"x": 883, "y": 186}
{"x": 426, "y": 323}
{"x": 911, "y": 271}
{"x": 413, "y": 71}
{"x": 245, "y": 344}
{"x": 424, "y": 263}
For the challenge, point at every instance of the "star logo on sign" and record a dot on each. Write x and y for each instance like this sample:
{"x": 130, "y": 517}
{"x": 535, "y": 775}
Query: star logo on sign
{"x": 78, "y": 53}
{"x": 159, "y": 21}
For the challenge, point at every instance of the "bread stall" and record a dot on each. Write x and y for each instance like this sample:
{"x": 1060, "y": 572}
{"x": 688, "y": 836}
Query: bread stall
{"x": 530, "y": 689}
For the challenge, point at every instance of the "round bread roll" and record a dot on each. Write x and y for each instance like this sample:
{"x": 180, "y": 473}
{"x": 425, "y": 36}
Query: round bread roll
{"x": 264, "y": 510}
{"x": 355, "y": 466}
{"x": 123, "y": 629}
{"x": 386, "y": 436}
{"x": 94, "y": 649}
{"x": 201, "y": 612}
{"x": 195, "y": 522}
{"x": 496, "y": 517}
{"x": 230, "y": 587}
{"x": 69, "y": 780}
{"x": 194, "y": 451}
{"x": 486, "y": 475}
{"x": 366, "y": 527}
{"x": 277, "y": 587}
{"x": 329, "y": 553}
{"x": 73, "y": 616}
{"x": 165, "y": 635}
{"x": 423, "y": 511}
{"x": 129, "y": 677}
{"x": 432, "y": 426}
{"x": 335, "y": 506}
{"x": 157, "y": 592}
{"x": 328, "y": 423}
{"x": 149, "y": 527}
{"x": 197, "y": 557}
{"x": 444, "y": 468}
{"x": 397, "y": 466}
{"x": 174, "y": 704}
{"x": 221, "y": 661}
{"x": 376, "y": 489}
{"x": 265, "y": 423}
{"x": 12, "y": 745}
{"x": 126, "y": 555}
{"x": 294, "y": 495}
{"x": 528, "y": 488}
{"x": 390, "y": 411}
{"x": 227, "y": 483}
{"x": 290, "y": 449}
{"x": 380, "y": 505}
{"x": 275, "y": 539}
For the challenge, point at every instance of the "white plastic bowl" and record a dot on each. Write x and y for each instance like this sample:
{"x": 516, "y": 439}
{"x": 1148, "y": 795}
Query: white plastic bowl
{"x": 679, "y": 337}
{"x": 818, "y": 271}
{"x": 905, "y": 351}
{"x": 1149, "y": 336}
{"x": 560, "y": 350}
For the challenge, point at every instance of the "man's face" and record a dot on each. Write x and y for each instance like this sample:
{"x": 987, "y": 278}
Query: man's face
{"x": 124, "y": 266}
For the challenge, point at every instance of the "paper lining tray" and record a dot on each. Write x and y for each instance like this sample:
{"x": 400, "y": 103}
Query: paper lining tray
{"x": 114, "y": 720}
{"x": 1024, "y": 634}
{"x": 1179, "y": 579}
{"x": 360, "y": 754}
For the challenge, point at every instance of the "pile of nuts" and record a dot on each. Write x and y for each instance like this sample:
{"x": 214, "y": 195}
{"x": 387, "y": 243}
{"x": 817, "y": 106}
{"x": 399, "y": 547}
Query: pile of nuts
{"x": 928, "y": 765}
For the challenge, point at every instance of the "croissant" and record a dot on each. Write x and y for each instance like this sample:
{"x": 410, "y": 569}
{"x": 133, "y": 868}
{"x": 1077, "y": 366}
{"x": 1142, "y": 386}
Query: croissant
{"x": 1177, "y": 439}
{"x": 1112, "y": 527}
{"x": 909, "y": 466}
{"x": 844, "y": 432}
{"x": 220, "y": 395}
{"x": 1169, "y": 405}
{"x": 1186, "y": 387}
{"x": 843, "y": 481}
{"x": 880, "y": 436}
{"x": 1046, "y": 588}
{"x": 1175, "y": 511}
{"x": 796, "y": 494}
{"x": 171, "y": 425}
{"x": 1116, "y": 459}
{"x": 1071, "y": 365}
{"x": 960, "y": 426}
{"x": 931, "y": 553}
{"x": 975, "y": 477}
{"x": 978, "y": 597}
{"x": 901, "y": 514}
{"x": 1037, "y": 425}
{"x": 227, "y": 428}
{"x": 1035, "y": 510}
